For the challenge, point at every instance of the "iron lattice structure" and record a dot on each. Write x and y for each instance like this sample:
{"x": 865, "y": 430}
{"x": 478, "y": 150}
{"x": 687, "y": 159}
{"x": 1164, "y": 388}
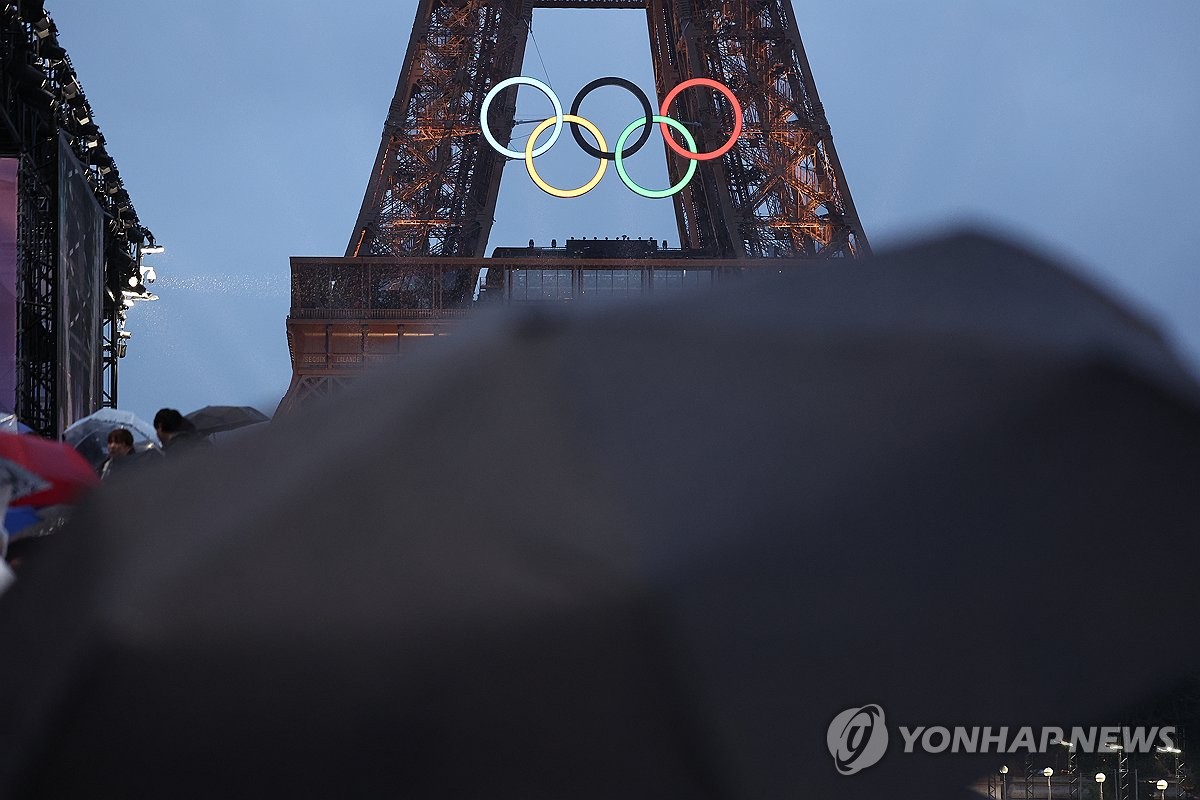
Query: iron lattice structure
{"x": 434, "y": 186}
{"x": 778, "y": 198}
{"x": 780, "y": 192}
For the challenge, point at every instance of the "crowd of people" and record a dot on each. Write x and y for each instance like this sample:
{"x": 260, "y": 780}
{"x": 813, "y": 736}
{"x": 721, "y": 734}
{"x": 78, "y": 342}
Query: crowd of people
{"x": 24, "y": 528}
{"x": 175, "y": 431}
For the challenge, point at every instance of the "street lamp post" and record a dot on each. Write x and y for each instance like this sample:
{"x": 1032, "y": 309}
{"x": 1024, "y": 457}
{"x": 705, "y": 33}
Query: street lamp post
{"x": 1048, "y": 772}
{"x": 1175, "y": 751}
{"x": 1122, "y": 770}
{"x": 1162, "y": 790}
{"x": 1100, "y": 783}
{"x": 1072, "y": 769}
{"x": 1003, "y": 780}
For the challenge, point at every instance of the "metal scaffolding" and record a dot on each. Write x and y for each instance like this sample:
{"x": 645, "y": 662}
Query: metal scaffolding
{"x": 42, "y": 109}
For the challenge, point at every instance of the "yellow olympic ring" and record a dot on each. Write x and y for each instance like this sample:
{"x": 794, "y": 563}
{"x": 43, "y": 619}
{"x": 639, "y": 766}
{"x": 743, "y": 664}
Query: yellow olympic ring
{"x": 547, "y": 188}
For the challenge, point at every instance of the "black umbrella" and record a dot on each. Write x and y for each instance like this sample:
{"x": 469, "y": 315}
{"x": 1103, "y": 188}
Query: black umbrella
{"x": 218, "y": 419}
{"x": 643, "y": 552}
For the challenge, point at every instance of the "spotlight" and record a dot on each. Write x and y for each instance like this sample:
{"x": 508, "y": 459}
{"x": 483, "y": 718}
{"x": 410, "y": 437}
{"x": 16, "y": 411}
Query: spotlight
{"x": 152, "y": 249}
{"x": 39, "y": 99}
{"x": 149, "y": 275}
{"x": 27, "y": 74}
{"x": 42, "y": 27}
{"x": 52, "y": 51}
{"x": 32, "y": 9}
{"x": 138, "y": 295}
{"x": 71, "y": 89}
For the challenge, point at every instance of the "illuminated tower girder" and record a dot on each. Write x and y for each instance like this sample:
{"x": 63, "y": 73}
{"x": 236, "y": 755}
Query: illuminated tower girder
{"x": 780, "y": 192}
{"x": 413, "y": 261}
{"x": 434, "y": 185}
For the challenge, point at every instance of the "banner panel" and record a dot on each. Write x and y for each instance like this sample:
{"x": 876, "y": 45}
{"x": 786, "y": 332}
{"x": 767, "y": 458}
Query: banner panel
{"x": 80, "y": 283}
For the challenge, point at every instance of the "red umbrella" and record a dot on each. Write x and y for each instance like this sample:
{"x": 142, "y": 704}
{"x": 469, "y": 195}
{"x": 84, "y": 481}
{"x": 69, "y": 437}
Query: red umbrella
{"x": 67, "y": 472}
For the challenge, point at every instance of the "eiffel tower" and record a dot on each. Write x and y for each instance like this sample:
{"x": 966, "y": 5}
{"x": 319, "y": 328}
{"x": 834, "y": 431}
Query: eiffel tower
{"x": 777, "y": 197}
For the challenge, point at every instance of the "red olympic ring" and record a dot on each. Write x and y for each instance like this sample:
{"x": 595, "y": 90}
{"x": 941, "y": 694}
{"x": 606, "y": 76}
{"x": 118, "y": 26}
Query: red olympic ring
{"x": 737, "y": 119}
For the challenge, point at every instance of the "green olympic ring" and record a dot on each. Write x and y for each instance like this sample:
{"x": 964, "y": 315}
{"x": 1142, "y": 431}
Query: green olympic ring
{"x": 664, "y": 122}
{"x": 655, "y": 193}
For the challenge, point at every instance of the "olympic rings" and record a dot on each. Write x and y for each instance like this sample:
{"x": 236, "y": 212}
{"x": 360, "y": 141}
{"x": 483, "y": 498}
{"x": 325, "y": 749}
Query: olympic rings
{"x": 535, "y": 83}
{"x": 647, "y": 109}
{"x": 530, "y": 152}
{"x": 655, "y": 193}
{"x": 737, "y": 118}
{"x": 619, "y": 153}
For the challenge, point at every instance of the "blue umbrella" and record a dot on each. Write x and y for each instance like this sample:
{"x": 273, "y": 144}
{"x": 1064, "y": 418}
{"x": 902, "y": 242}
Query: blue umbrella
{"x": 10, "y": 423}
{"x": 15, "y": 481}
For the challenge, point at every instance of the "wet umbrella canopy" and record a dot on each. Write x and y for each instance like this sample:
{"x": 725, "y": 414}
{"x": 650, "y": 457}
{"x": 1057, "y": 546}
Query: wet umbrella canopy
{"x": 642, "y": 552}
{"x": 10, "y": 423}
{"x": 16, "y": 481}
{"x": 65, "y": 471}
{"x": 218, "y": 419}
{"x": 89, "y": 435}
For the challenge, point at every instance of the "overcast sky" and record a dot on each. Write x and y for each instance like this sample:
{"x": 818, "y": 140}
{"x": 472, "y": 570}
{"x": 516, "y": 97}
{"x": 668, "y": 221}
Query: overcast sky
{"x": 245, "y": 133}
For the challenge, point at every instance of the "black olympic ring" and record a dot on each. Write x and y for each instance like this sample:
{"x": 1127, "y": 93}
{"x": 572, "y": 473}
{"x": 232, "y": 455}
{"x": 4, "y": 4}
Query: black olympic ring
{"x": 647, "y": 112}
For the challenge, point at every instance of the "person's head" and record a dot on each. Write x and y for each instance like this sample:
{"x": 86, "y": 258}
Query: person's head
{"x": 120, "y": 443}
{"x": 169, "y": 422}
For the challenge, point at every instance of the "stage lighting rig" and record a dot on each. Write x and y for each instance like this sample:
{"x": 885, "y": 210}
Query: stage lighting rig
{"x": 139, "y": 294}
{"x": 31, "y": 9}
{"x": 50, "y": 121}
{"x": 27, "y": 74}
{"x": 51, "y": 51}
